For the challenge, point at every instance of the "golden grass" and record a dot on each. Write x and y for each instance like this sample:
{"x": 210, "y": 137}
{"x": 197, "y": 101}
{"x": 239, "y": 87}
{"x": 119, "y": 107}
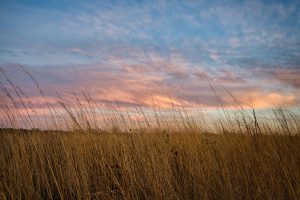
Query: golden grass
{"x": 158, "y": 165}
{"x": 163, "y": 157}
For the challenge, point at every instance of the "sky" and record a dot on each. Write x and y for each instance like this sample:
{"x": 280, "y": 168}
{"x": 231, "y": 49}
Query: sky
{"x": 145, "y": 52}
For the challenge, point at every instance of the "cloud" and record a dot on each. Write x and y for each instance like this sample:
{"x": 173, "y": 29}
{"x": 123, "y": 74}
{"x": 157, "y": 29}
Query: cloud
{"x": 79, "y": 51}
{"x": 214, "y": 56}
{"x": 129, "y": 82}
{"x": 130, "y": 53}
{"x": 289, "y": 76}
{"x": 268, "y": 100}
{"x": 234, "y": 42}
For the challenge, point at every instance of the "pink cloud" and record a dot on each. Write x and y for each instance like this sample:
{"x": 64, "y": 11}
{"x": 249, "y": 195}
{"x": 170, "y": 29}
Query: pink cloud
{"x": 155, "y": 78}
{"x": 288, "y": 76}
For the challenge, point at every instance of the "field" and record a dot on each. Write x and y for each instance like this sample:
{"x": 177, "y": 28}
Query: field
{"x": 156, "y": 164}
{"x": 168, "y": 154}
{"x": 150, "y": 100}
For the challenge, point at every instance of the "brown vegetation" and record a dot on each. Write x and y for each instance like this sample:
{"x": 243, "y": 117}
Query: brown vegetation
{"x": 174, "y": 157}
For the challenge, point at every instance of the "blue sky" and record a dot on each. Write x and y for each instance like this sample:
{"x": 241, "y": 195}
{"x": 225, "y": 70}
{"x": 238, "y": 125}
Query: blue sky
{"x": 132, "y": 51}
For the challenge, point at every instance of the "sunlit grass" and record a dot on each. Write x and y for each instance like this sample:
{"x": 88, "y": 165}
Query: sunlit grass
{"x": 175, "y": 156}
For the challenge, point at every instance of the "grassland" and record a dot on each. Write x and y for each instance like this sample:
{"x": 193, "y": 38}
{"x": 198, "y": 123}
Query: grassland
{"x": 157, "y": 165}
{"x": 174, "y": 157}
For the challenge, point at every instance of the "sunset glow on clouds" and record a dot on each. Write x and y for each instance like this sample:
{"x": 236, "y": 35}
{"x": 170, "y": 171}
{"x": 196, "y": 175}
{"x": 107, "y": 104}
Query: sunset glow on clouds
{"x": 159, "y": 52}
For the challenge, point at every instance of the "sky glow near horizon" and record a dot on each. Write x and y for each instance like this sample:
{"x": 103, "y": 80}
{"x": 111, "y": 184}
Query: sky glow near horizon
{"x": 140, "y": 52}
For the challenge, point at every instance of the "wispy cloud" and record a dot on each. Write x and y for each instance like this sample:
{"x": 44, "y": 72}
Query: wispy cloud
{"x": 130, "y": 82}
{"x": 132, "y": 52}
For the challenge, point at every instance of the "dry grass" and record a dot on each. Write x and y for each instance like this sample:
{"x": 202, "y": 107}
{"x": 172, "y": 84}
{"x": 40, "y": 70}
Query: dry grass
{"x": 166, "y": 157}
{"x": 158, "y": 165}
